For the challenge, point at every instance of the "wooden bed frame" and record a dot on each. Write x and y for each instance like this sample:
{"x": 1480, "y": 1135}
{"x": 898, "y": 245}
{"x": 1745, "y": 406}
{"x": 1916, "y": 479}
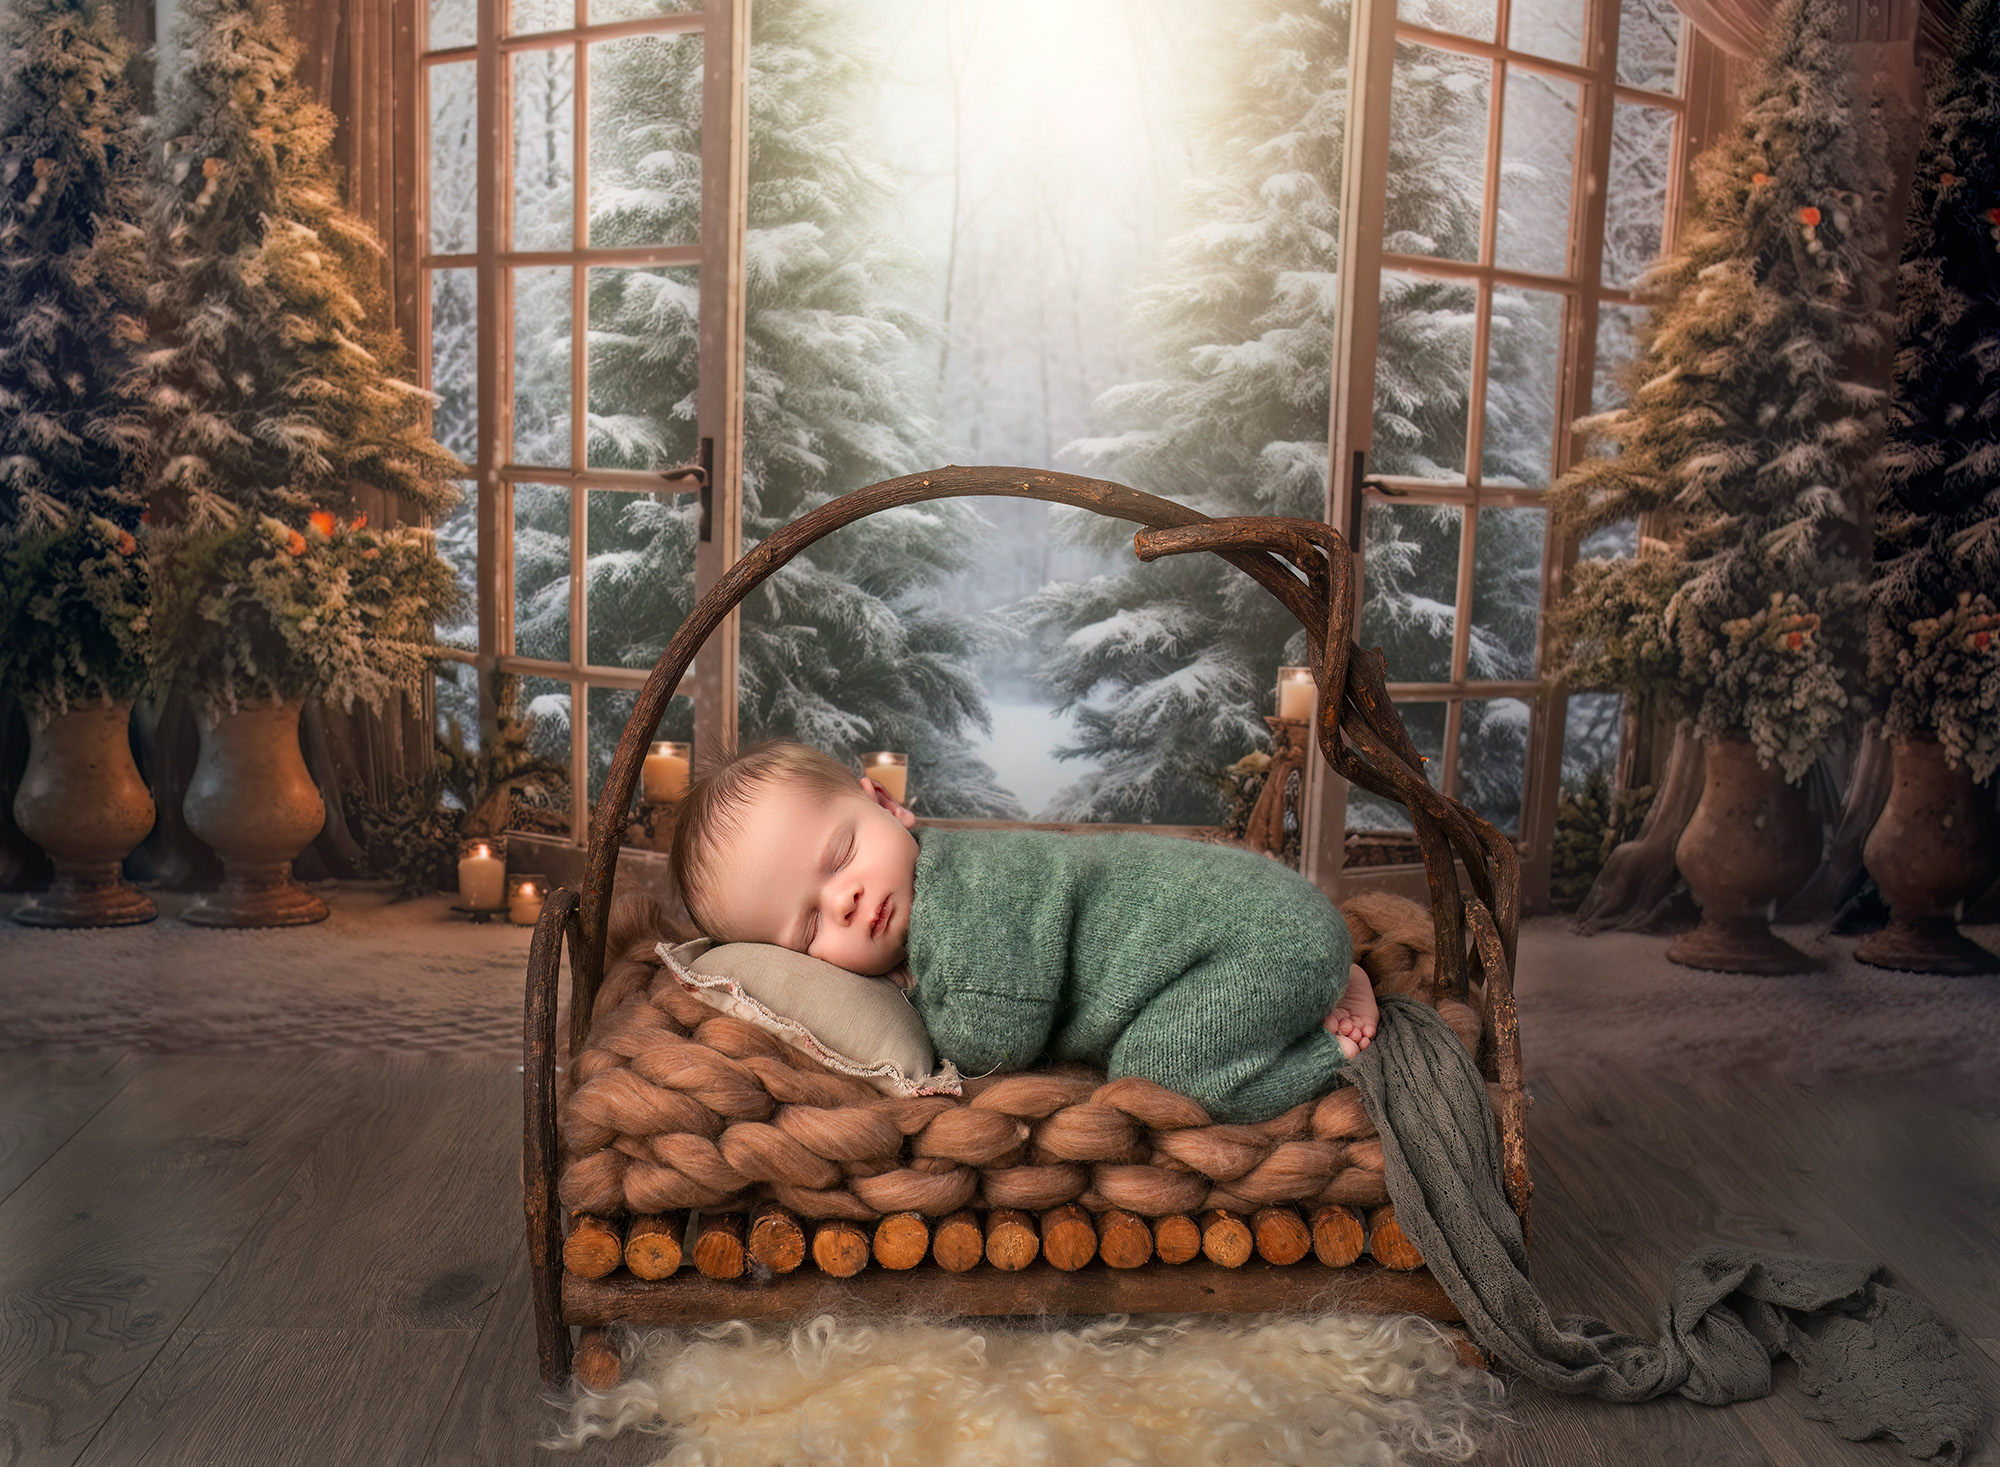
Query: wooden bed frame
{"x": 1306, "y": 565}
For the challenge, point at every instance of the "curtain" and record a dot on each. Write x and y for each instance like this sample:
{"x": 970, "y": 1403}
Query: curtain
{"x": 1736, "y": 26}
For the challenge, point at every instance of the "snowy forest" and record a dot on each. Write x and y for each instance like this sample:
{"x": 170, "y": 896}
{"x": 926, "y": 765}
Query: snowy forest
{"x": 1116, "y": 257}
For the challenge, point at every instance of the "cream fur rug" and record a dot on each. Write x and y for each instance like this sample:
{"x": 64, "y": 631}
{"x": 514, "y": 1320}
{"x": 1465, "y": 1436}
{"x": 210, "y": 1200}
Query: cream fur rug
{"x": 1342, "y": 1390}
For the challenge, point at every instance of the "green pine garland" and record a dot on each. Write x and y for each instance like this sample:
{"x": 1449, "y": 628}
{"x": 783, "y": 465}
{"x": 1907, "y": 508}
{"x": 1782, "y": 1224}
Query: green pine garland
{"x": 1746, "y": 426}
{"x": 1933, "y": 625}
{"x": 72, "y": 587}
{"x": 274, "y": 388}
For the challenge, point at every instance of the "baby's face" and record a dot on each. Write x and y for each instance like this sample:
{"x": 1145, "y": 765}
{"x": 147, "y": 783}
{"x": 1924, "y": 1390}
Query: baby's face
{"x": 830, "y": 878}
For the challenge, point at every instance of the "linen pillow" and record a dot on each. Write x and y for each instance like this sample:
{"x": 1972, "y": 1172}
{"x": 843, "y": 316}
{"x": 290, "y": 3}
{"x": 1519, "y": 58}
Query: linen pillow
{"x": 852, "y": 1024}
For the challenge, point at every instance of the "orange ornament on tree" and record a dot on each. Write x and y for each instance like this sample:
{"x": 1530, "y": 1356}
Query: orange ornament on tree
{"x": 360, "y": 521}
{"x": 296, "y": 544}
{"x": 1808, "y": 216}
{"x": 322, "y": 520}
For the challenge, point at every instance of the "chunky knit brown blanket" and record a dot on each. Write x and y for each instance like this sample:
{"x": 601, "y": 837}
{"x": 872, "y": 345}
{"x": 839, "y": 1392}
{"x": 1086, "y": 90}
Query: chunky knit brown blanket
{"x": 674, "y": 1105}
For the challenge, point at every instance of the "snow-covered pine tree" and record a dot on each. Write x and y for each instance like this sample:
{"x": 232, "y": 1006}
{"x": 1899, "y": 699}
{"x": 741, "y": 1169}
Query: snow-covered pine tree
{"x": 847, "y": 648}
{"x": 1934, "y": 626}
{"x": 1168, "y": 666}
{"x": 72, "y": 156}
{"x": 275, "y": 389}
{"x": 1746, "y": 420}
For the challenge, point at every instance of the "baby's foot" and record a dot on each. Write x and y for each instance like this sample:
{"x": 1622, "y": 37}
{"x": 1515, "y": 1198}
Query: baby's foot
{"x": 1352, "y": 1024}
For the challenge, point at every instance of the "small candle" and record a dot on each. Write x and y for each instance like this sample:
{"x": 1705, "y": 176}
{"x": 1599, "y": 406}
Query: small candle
{"x": 525, "y": 895}
{"x": 482, "y": 877}
{"x": 891, "y": 771}
{"x": 1295, "y": 694}
{"x": 665, "y": 773}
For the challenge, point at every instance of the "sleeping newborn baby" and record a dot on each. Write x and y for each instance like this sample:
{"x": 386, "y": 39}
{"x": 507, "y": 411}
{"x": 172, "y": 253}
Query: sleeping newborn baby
{"x": 1212, "y": 970}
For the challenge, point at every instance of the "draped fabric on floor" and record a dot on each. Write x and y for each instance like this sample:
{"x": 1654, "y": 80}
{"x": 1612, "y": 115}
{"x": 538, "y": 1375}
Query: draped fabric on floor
{"x": 1872, "y": 1359}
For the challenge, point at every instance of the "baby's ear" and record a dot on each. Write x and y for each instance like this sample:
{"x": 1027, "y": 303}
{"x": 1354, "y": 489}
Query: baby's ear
{"x": 906, "y": 817}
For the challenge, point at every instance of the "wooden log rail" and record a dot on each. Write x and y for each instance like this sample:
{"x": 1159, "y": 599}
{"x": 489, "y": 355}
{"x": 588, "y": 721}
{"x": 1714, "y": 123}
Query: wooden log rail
{"x": 771, "y": 1241}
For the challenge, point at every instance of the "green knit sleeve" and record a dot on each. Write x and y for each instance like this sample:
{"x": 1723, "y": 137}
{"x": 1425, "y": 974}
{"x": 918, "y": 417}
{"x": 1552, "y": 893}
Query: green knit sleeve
{"x": 1245, "y": 1039}
{"x": 981, "y": 1030}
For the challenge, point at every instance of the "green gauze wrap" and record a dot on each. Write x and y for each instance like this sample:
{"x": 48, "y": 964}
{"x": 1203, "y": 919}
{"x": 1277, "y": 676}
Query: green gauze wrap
{"x": 1206, "y": 968}
{"x": 1874, "y": 1360}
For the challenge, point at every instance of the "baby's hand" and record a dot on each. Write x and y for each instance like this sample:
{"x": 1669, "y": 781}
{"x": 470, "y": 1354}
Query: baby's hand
{"x": 1352, "y": 1023}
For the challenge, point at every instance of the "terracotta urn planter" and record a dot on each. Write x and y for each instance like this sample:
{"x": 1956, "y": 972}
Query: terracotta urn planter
{"x": 1753, "y": 841}
{"x": 1932, "y": 847}
{"x": 81, "y": 799}
{"x": 254, "y": 802}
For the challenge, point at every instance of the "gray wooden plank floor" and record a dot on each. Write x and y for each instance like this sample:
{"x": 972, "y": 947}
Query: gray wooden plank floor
{"x": 252, "y": 1260}
{"x": 313, "y": 1255}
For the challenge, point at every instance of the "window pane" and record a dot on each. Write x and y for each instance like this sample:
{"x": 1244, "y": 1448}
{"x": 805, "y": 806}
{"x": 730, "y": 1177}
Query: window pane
{"x": 541, "y": 365}
{"x": 1524, "y": 352}
{"x": 453, "y": 23}
{"x": 455, "y": 361}
{"x": 610, "y": 709}
{"x": 1552, "y": 28}
{"x": 541, "y": 572}
{"x": 1369, "y": 811}
{"x": 1649, "y": 44}
{"x": 645, "y": 140}
{"x": 644, "y": 330}
{"x": 1635, "y": 207}
{"x": 542, "y": 15}
{"x": 604, "y": 11}
{"x": 1475, "y": 18}
{"x": 543, "y": 706}
{"x": 1410, "y": 586}
{"x": 1437, "y": 153}
{"x": 458, "y": 544}
{"x": 457, "y": 701}
{"x": 1617, "y": 348}
{"x": 1538, "y": 148}
{"x": 1423, "y": 377}
{"x": 639, "y": 575}
{"x": 1506, "y": 594}
{"x": 1591, "y": 731}
{"x": 1616, "y": 541}
{"x": 454, "y": 180}
{"x": 1493, "y": 759}
{"x": 544, "y": 200}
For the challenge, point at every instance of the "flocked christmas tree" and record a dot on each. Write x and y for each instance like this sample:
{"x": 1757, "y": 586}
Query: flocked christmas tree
{"x": 275, "y": 389}
{"x": 1934, "y": 625}
{"x": 1169, "y": 666}
{"x": 847, "y": 648}
{"x": 1748, "y": 424}
{"x": 72, "y": 586}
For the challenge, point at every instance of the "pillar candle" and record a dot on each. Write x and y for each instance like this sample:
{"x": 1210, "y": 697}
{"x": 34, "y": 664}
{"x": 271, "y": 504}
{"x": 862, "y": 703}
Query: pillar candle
{"x": 482, "y": 879}
{"x": 1295, "y": 694}
{"x": 891, "y": 771}
{"x": 524, "y": 903}
{"x": 664, "y": 776}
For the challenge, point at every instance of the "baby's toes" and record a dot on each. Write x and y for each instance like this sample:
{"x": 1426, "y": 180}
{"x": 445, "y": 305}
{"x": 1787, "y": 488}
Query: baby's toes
{"x": 1349, "y": 1048}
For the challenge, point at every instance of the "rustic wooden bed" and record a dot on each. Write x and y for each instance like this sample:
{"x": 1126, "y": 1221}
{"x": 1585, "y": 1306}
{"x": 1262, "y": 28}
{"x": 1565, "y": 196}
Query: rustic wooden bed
{"x": 763, "y": 1252}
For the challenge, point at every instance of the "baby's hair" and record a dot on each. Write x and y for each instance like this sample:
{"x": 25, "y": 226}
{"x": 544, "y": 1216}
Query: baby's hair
{"x": 717, "y": 796}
